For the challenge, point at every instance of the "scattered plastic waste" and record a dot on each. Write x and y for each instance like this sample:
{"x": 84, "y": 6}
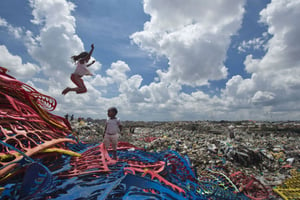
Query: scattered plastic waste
{"x": 290, "y": 189}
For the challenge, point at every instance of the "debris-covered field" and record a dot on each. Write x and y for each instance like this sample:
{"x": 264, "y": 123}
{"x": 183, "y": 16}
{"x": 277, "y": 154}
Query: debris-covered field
{"x": 270, "y": 152}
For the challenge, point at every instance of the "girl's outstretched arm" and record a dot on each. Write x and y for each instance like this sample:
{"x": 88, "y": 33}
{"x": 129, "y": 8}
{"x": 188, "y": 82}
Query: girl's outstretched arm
{"x": 91, "y": 51}
{"x": 86, "y": 58}
{"x": 91, "y": 63}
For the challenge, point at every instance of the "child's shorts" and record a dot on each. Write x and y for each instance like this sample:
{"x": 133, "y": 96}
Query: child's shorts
{"x": 111, "y": 139}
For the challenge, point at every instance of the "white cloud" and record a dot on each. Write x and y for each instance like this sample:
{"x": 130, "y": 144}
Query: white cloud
{"x": 263, "y": 97}
{"x": 256, "y": 43}
{"x": 118, "y": 71}
{"x": 15, "y": 31}
{"x": 15, "y": 64}
{"x": 57, "y": 40}
{"x": 194, "y": 36}
{"x": 50, "y": 13}
{"x": 3, "y": 22}
{"x": 274, "y": 82}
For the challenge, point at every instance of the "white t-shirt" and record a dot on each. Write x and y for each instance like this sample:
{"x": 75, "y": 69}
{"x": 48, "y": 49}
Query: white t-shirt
{"x": 112, "y": 126}
{"x": 82, "y": 69}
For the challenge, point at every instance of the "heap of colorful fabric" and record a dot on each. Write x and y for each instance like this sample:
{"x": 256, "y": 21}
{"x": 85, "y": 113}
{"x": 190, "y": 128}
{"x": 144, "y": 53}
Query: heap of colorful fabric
{"x": 41, "y": 158}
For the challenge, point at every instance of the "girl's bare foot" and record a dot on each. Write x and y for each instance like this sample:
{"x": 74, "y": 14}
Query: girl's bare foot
{"x": 65, "y": 91}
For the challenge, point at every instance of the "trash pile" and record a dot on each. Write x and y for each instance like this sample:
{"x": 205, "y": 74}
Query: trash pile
{"x": 44, "y": 156}
{"x": 270, "y": 158}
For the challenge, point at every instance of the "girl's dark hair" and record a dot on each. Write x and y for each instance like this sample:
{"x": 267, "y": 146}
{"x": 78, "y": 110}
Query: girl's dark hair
{"x": 79, "y": 56}
{"x": 114, "y": 109}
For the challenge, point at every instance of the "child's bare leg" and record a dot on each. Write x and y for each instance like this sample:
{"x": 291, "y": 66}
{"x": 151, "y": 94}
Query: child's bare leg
{"x": 77, "y": 80}
{"x": 66, "y": 90}
{"x": 114, "y": 144}
{"x": 81, "y": 90}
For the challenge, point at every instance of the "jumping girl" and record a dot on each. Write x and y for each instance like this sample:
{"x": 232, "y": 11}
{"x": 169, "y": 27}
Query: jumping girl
{"x": 81, "y": 70}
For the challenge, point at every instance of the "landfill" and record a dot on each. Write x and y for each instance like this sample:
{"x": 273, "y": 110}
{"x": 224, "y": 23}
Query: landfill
{"x": 45, "y": 156}
{"x": 268, "y": 151}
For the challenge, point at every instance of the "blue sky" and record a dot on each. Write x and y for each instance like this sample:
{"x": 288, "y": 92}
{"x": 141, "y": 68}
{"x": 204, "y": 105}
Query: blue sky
{"x": 159, "y": 60}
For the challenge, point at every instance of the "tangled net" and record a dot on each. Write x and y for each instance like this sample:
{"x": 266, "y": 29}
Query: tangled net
{"x": 40, "y": 158}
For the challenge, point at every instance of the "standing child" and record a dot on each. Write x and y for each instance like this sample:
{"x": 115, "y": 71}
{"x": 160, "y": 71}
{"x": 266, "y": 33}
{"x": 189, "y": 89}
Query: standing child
{"x": 113, "y": 128}
{"x": 81, "y": 60}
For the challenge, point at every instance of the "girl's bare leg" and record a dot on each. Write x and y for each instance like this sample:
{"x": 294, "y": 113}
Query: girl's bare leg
{"x": 77, "y": 80}
{"x": 66, "y": 90}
